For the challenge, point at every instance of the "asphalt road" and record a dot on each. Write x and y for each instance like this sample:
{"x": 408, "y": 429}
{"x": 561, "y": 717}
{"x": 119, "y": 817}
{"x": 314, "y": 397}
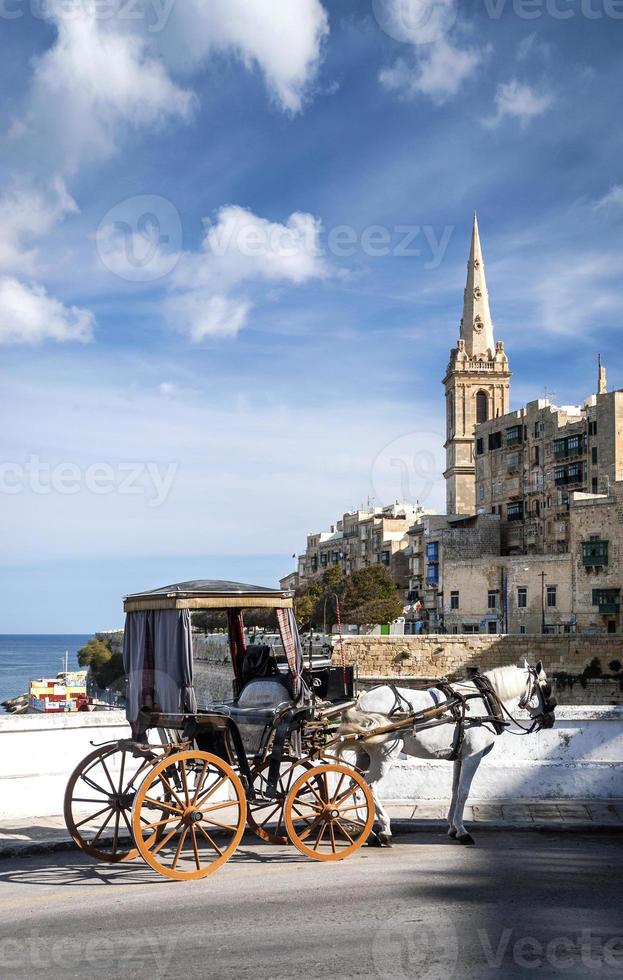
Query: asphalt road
{"x": 517, "y": 905}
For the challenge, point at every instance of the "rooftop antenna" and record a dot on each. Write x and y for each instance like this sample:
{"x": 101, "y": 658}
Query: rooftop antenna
{"x": 547, "y": 394}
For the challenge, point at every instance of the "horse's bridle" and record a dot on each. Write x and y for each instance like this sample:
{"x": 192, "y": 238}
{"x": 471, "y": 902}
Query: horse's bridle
{"x": 547, "y": 704}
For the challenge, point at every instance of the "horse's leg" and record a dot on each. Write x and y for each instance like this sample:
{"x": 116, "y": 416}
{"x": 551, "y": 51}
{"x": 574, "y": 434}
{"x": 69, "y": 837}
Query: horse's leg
{"x": 380, "y": 764}
{"x": 456, "y": 777}
{"x": 469, "y": 766}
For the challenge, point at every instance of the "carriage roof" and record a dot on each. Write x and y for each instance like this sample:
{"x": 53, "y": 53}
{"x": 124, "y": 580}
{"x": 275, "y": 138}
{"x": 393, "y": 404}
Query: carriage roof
{"x": 208, "y": 594}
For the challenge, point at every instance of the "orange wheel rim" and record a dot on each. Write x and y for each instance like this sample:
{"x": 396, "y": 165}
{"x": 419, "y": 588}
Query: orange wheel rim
{"x": 204, "y": 819}
{"x": 329, "y": 812}
{"x": 98, "y": 803}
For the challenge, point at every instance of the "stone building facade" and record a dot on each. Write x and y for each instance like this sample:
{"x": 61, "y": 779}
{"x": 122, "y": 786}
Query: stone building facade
{"x": 596, "y": 542}
{"x": 435, "y": 542}
{"x": 360, "y": 539}
{"x": 530, "y": 462}
{"x": 527, "y": 594}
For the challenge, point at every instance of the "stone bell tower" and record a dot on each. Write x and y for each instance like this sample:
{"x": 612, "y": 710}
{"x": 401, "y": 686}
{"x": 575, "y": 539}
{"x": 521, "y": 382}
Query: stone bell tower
{"x": 477, "y": 384}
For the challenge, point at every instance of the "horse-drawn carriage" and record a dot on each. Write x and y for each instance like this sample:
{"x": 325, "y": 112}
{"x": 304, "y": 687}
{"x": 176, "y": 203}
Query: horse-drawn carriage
{"x": 181, "y": 790}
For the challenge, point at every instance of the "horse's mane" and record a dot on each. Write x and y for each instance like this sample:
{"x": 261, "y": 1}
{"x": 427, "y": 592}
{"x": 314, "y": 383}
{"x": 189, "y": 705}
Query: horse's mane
{"x": 507, "y": 682}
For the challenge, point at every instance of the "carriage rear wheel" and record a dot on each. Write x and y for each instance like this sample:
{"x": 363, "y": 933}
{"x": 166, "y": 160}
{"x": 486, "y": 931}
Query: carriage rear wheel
{"x": 266, "y": 817}
{"x": 329, "y": 812}
{"x": 204, "y": 818}
{"x": 99, "y": 798}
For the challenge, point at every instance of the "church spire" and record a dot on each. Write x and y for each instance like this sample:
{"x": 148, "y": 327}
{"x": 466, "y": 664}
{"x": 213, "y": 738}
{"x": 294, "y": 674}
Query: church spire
{"x": 477, "y": 325}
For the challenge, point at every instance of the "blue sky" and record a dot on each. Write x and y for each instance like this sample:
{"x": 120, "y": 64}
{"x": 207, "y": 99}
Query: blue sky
{"x": 233, "y": 239}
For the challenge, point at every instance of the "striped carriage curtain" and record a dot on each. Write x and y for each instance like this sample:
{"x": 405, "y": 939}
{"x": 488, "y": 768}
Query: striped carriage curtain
{"x": 294, "y": 651}
{"x": 237, "y": 645}
{"x": 158, "y": 662}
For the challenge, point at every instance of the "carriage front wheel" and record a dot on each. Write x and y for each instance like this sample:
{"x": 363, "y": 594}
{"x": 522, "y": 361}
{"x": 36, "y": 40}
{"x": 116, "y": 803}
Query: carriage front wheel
{"x": 329, "y": 812}
{"x": 204, "y": 819}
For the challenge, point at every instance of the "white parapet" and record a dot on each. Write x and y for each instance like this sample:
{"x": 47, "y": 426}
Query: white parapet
{"x": 581, "y": 758}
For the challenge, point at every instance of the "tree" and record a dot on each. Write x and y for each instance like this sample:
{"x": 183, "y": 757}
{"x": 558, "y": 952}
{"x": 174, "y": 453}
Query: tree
{"x": 366, "y": 596}
{"x": 371, "y": 597}
{"x": 106, "y": 666}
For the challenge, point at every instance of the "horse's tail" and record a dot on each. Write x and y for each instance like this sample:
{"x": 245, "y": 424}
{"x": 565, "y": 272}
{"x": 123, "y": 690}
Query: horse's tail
{"x": 355, "y": 723}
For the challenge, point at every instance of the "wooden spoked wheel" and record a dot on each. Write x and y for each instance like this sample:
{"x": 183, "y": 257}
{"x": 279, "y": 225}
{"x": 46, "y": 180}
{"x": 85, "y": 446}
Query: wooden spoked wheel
{"x": 329, "y": 812}
{"x": 266, "y": 817}
{"x": 99, "y": 798}
{"x": 203, "y": 820}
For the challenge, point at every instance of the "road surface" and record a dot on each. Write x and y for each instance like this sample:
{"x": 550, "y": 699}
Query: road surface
{"x": 520, "y": 904}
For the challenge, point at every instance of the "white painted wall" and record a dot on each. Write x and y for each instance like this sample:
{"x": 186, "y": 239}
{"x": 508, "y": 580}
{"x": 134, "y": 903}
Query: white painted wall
{"x": 581, "y": 758}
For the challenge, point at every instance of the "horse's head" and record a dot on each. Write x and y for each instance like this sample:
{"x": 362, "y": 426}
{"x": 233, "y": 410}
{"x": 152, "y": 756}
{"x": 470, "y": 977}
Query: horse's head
{"x": 537, "y": 699}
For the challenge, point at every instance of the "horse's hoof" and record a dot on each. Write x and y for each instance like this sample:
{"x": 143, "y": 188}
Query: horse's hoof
{"x": 452, "y": 833}
{"x": 465, "y": 839}
{"x": 374, "y": 840}
{"x": 385, "y": 840}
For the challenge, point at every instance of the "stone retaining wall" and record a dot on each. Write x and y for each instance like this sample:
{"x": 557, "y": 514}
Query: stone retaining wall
{"x": 444, "y": 655}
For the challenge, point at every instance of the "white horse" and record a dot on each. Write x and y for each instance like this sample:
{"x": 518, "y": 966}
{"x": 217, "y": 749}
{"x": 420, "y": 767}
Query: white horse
{"x": 516, "y": 687}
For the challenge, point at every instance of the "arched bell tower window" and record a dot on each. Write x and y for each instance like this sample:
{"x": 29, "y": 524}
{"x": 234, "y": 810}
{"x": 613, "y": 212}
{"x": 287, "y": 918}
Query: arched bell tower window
{"x": 482, "y": 407}
{"x": 450, "y": 413}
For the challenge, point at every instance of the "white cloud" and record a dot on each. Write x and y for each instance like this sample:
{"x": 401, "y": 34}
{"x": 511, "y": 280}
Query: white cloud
{"x": 27, "y": 212}
{"x": 201, "y": 314}
{"x": 614, "y": 198}
{"x": 438, "y": 74}
{"x": 283, "y": 37}
{"x": 240, "y": 248}
{"x": 516, "y": 100}
{"x": 92, "y": 81}
{"x": 28, "y": 316}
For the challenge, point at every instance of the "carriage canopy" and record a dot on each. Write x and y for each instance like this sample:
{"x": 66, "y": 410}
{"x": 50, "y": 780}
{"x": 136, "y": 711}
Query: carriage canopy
{"x": 157, "y": 650}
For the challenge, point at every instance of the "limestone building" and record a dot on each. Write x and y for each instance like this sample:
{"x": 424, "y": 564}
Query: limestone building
{"x": 596, "y": 545}
{"x": 530, "y": 462}
{"x": 477, "y": 384}
{"x": 359, "y": 539}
